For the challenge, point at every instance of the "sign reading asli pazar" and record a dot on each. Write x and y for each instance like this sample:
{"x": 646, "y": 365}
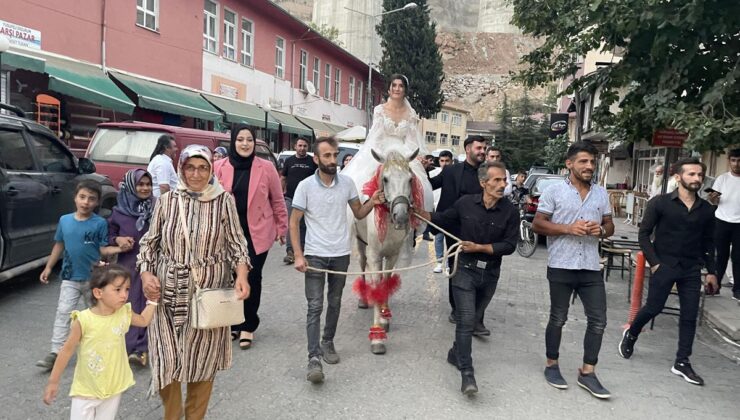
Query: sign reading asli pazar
{"x": 20, "y": 36}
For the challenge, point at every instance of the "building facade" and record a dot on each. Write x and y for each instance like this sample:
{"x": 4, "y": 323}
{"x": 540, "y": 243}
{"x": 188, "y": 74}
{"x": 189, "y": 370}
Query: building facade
{"x": 446, "y": 129}
{"x": 155, "y": 61}
{"x": 356, "y": 31}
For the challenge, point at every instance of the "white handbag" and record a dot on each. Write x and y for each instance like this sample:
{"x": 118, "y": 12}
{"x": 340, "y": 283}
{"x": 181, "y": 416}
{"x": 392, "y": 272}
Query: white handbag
{"x": 209, "y": 307}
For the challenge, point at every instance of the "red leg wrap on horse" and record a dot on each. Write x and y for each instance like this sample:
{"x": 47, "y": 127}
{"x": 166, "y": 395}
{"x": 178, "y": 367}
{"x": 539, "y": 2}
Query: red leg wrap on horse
{"x": 385, "y": 289}
{"x": 377, "y": 333}
{"x": 362, "y": 289}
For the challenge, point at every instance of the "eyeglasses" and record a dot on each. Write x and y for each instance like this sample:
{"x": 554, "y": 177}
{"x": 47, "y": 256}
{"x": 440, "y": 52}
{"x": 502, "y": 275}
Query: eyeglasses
{"x": 190, "y": 169}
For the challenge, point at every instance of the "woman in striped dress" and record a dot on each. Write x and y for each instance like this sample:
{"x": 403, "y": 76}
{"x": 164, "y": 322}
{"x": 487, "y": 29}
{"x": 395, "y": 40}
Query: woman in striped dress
{"x": 178, "y": 353}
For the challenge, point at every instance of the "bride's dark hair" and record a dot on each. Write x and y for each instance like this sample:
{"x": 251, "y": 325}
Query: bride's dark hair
{"x": 402, "y": 78}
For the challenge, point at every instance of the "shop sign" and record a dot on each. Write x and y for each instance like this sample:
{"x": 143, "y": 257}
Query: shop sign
{"x": 669, "y": 138}
{"x": 558, "y": 124}
{"x": 20, "y": 36}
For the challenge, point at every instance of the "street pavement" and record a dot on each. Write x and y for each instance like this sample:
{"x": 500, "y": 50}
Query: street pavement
{"x": 413, "y": 380}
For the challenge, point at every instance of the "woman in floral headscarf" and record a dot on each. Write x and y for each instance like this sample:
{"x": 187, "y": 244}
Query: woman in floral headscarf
{"x": 128, "y": 223}
{"x": 178, "y": 353}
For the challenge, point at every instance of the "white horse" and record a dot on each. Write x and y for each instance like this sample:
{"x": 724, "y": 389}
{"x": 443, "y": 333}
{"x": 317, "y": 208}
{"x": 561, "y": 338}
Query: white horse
{"x": 382, "y": 235}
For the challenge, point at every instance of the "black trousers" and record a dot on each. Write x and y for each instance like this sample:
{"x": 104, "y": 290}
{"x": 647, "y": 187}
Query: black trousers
{"x": 688, "y": 283}
{"x": 252, "y": 303}
{"x": 727, "y": 235}
{"x": 473, "y": 289}
{"x": 589, "y": 285}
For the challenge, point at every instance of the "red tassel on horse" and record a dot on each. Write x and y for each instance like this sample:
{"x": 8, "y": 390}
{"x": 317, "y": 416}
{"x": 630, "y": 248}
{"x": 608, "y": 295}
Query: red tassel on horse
{"x": 381, "y": 211}
{"x": 381, "y": 292}
{"x": 377, "y": 333}
{"x": 362, "y": 289}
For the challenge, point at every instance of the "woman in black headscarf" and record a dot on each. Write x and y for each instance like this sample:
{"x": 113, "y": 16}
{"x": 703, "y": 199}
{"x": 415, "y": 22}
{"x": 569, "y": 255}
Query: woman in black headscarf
{"x": 262, "y": 214}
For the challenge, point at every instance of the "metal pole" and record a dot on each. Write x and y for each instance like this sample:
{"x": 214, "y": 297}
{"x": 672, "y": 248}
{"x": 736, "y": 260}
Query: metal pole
{"x": 267, "y": 136}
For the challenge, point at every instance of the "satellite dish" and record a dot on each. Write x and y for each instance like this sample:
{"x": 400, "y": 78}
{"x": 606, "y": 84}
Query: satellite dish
{"x": 310, "y": 88}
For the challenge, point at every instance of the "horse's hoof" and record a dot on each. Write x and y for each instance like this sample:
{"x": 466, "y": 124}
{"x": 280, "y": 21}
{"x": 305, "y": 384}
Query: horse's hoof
{"x": 377, "y": 348}
{"x": 362, "y": 304}
{"x": 386, "y": 326}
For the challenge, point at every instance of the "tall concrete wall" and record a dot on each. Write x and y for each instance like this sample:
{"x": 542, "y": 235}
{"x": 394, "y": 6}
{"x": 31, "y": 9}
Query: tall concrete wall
{"x": 494, "y": 16}
{"x": 356, "y": 31}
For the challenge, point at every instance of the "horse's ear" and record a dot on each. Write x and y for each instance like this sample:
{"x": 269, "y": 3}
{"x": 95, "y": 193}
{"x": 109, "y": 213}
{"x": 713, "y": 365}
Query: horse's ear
{"x": 377, "y": 156}
{"x": 413, "y": 155}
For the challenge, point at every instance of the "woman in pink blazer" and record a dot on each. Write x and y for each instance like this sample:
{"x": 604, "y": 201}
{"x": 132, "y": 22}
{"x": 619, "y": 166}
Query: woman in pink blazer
{"x": 262, "y": 214}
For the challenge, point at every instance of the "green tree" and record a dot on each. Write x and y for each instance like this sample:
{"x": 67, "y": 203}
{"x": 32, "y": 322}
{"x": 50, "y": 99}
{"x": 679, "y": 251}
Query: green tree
{"x": 555, "y": 152}
{"x": 327, "y": 31}
{"x": 408, "y": 41}
{"x": 675, "y": 64}
{"x": 521, "y": 136}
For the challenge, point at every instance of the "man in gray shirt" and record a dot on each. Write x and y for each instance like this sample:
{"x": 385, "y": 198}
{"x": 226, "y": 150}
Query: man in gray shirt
{"x": 574, "y": 215}
{"x": 322, "y": 200}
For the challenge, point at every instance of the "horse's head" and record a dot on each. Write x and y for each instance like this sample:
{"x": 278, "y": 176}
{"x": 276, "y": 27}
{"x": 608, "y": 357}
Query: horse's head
{"x": 395, "y": 180}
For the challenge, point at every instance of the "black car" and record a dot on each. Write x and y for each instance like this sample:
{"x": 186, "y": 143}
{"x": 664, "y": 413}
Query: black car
{"x": 38, "y": 175}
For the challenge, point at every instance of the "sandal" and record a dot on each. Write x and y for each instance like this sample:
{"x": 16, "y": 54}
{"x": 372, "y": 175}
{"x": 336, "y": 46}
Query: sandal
{"x": 245, "y": 343}
{"x": 234, "y": 335}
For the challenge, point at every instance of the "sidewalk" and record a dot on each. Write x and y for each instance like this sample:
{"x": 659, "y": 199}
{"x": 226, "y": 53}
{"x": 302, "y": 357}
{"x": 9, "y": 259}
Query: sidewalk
{"x": 722, "y": 312}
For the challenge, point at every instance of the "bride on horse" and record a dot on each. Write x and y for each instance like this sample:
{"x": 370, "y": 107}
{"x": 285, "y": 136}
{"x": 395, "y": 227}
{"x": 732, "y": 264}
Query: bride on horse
{"x": 395, "y": 124}
{"x": 388, "y": 160}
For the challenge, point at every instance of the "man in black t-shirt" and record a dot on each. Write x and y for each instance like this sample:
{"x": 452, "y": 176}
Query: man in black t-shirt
{"x": 295, "y": 169}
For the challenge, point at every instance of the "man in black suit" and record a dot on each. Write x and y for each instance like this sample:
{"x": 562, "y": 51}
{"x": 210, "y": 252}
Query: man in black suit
{"x": 456, "y": 181}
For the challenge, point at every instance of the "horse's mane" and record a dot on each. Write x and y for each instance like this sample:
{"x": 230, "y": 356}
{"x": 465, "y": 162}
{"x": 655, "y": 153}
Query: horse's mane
{"x": 396, "y": 156}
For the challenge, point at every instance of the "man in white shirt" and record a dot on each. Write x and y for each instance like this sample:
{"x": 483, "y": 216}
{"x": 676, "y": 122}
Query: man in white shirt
{"x": 164, "y": 177}
{"x": 322, "y": 200}
{"x": 726, "y": 196}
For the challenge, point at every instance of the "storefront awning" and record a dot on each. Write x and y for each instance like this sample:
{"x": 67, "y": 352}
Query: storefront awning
{"x": 320, "y": 128}
{"x": 86, "y": 82}
{"x": 74, "y": 78}
{"x": 291, "y": 124}
{"x": 23, "y": 61}
{"x": 335, "y": 128}
{"x": 241, "y": 112}
{"x": 169, "y": 99}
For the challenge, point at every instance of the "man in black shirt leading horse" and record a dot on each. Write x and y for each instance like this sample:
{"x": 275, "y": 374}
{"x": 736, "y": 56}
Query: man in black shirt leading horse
{"x": 488, "y": 227}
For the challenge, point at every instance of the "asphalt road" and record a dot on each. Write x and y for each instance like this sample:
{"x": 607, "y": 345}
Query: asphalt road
{"x": 412, "y": 380}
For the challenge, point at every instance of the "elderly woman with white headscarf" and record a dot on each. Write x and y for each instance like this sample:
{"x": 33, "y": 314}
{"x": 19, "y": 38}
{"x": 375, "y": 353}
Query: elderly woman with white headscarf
{"x": 179, "y": 353}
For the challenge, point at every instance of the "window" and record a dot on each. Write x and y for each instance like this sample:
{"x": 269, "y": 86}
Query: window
{"x": 303, "y": 70}
{"x": 456, "y": 118}
{"x": 229, "y": 35}
{"x": 52, "y": 158}
{"x": 431, "y": 137}
{"x": 351, "y": 91}
{"x": 280, "y": 57}
{"x": 147, "y": 12}
{"x": 359, "y": 95}
{"x": 14, "y": 156}
{"x": 337, "y": 85}
{"x": 444, "y": 116}
{"x": 210, "y": 17}
{"x": 455, "y": 140}
{"x": 316, "y": 75}
{"x": 443, "y": 138}
{"x": 435, "y": 116}
{"x": 327, "y": 81}
{"x": 247, "y": 42}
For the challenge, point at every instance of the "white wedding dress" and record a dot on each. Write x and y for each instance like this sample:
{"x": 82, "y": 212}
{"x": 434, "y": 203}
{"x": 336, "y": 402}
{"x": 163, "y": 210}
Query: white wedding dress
{"x": 385, "y": 132}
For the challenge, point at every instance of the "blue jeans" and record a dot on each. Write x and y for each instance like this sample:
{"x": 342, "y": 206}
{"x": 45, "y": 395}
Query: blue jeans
{"x": 688, "y": 284}
{"x": 70, "y": 294}
{"x": 473, "y": 289}
{"x": 589, "y": 285}
{"x": 289, "y": 244}
{"x": 439, "y": 245}
{"x": 315, "y": 299}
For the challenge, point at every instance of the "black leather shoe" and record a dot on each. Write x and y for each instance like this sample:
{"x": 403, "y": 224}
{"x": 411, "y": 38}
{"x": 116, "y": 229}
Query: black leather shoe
{"x": 468, "y": 386}
{"x": 480, "y": 330}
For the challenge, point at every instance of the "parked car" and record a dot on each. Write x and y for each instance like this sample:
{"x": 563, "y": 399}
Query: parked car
{"x": 38, "y": 176}
{"x": 532, "y": 178}
{"x": 117, "y": 147}
{"x": 539, "y": 170}
{"x": 532, "y": 199}
{"x": 347, "y": 149}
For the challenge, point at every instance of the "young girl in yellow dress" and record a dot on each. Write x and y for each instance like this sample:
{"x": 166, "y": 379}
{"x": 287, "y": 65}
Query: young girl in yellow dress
{"x": 102, "y": 372}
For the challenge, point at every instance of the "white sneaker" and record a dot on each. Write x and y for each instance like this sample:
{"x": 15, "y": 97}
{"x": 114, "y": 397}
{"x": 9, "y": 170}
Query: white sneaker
{"x": 438, "y": 268}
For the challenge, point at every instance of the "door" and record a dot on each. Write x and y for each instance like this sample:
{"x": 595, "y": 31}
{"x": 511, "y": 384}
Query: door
{"x": 26, "y": 230}
{"x": 57, "y": 164}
